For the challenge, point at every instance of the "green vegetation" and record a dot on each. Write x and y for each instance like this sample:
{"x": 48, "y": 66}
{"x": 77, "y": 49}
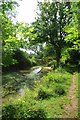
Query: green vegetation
{"x": 39, "y": 59}
{"x": 79, "y": 95}
{"x": 38, "y": 103}
{"x": 22, "y": 110}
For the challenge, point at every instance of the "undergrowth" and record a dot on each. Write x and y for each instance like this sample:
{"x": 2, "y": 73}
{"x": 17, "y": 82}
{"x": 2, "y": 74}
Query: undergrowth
{"x": 46, "y": 100}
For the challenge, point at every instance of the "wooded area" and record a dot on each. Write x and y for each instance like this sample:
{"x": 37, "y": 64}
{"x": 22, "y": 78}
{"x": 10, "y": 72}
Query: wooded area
{"x": 40, "y": 61}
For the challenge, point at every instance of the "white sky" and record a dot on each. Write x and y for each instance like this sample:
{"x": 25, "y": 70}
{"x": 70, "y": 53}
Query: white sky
{"x": 26, "y": 11}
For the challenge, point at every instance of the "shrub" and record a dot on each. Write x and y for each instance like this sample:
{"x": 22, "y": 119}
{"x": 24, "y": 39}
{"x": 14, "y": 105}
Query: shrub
{"x": 8, "y": 112}
{"x": 42, "y": 95}
{"x": 22, "y": 58}
{"x": 22, "y": 111}
{"x": 39, "y": 113}
{"x": 53, "y": 84}
{"x": 59, "y": 77}
{"x": 10, "y": 45}
{"x": 59, "y": 90}
{"x": 33, "y": 61}
{"x": 52, "y": 63}
{"x": 44, "y": 71}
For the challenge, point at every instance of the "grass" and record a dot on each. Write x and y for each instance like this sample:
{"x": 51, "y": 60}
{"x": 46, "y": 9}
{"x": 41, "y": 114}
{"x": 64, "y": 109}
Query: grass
{"x": 46, "y": 99}
{"x": 79, "y": 94}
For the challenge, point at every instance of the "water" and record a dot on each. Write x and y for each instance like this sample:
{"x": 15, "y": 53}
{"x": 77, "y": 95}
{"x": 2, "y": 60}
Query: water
{"x": 37, "y": 70}
{"x": 14, "y": 83}
{"x": 21, "y": 92}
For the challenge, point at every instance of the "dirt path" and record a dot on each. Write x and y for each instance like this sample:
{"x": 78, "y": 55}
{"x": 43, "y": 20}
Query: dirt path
{"x": 72, "y": 108}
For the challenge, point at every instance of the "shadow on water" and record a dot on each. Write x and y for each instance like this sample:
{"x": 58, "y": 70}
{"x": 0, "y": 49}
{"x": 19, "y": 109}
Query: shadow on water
{"x": 14, "y": 83}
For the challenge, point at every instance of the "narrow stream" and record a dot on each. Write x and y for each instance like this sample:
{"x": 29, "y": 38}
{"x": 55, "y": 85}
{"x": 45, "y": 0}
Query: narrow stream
{"x": 14, "y": 83}
{"x": 33, "y": 75}
{"x": 37, "y": 70}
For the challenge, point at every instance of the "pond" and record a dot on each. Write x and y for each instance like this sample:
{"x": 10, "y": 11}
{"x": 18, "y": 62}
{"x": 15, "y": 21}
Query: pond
{"x": 15, "y": 83}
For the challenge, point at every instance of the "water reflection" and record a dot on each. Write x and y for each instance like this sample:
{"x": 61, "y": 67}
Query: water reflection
{"x": 14, "y": 83}
{"x": 37, "y": 70}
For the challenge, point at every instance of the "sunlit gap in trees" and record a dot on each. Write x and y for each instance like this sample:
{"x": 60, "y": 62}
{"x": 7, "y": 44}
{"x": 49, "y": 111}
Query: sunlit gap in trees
{"x": 29, "y": 51}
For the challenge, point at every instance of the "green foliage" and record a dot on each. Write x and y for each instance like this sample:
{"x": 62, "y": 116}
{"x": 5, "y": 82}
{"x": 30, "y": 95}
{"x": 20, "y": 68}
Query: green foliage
{"x": 25, "y": 34}
{"x": 33, "y": 61}
{"x": 43, "y": 94}
{"x": 65, "y": 55}
{"x": 58, "y": 77}
{"x": 6, "y": 15}
{"x": 79, "y": 94}
{"x": 45, "y": 100}
{"x": 59, "y": 90}
{"x": 22, "y": 110}
{"x": 11, "y": 44}
{"x": 49, "y": 61}
{"x": 72, "y": 29}
{"x": 49, "y": 25}
{"x": 54, "y": 84}
{"x": 22, "y": 59}
{"x": 53, "y": 64}
{"x": 55, "y": 22}
{"x": 72, "y": 37}
{"x": 9, "y": 40}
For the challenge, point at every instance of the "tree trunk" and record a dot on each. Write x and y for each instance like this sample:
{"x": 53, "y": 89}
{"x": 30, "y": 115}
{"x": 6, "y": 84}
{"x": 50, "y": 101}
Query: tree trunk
{"x": 58, "y": 56}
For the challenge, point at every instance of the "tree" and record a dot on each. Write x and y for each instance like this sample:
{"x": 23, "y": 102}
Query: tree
{"x": 49, "y": 25}
{"x": 14, "y": 37}
{"x": 72, "y": 37}
{"x": 9, "y": 40}
{"x": 6, "y": 18}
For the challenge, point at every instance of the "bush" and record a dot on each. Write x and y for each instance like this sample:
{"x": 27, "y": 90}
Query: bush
{"x": 39, "y": 113}
{"x": 22, "y": 58}
{"x": 59, "y": 77}
{"x": 46, "y": 90}
{"x": 8, "y": 112}
{"x": 52, "y": 63}
{"x": 52, "y": 85}
{"x": 42, "y": 95}
{"x": 33, "y": 61}
{"x": 59, "y": 90}
{"x": 22, "y": 111}
{"x": 10, "y": 45}
{"x": 18, "y": 60}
